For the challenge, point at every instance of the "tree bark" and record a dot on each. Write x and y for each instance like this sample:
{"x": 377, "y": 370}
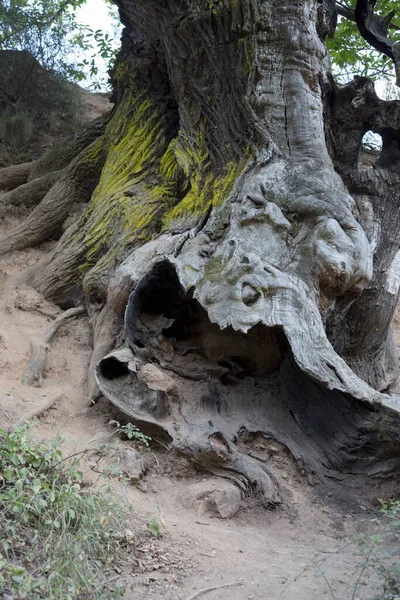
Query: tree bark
{"x": 234, "y": 255}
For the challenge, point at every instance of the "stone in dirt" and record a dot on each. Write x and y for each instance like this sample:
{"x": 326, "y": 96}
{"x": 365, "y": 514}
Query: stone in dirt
{"x": 134, "y": 466}
{"x": 214, "y": 497}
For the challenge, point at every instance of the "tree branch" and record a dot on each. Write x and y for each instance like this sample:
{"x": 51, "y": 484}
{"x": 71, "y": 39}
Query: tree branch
{"x": 348, "y": 13}
{"x": 343, "y": 11}
{"x": 374, "y": 29}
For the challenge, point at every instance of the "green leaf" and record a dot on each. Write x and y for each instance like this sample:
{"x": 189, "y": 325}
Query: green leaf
{"x": 36, "y": 486}
{"x": 8, "y": 474}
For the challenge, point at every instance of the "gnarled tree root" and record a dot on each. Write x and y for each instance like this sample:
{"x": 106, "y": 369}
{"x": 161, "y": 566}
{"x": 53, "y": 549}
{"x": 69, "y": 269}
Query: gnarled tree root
{"x": 29, "y": 194}
{"x": 181, "y": 377}
{"x": 39, "y": 348}
{"x": 15, "y": 175}
{"x": 222, "y": 458}
{"x": 75, "y": 186}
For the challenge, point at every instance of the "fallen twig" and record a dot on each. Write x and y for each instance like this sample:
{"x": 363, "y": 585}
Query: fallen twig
{"x": 37, "y": 362}
{"x": 211, "y": 589}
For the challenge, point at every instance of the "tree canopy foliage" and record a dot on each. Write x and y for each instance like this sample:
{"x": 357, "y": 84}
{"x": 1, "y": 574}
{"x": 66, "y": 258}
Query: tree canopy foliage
{"x": 46, "y": 28}
{"x": 50, "y": 32}
{"x": 350, "y": 53}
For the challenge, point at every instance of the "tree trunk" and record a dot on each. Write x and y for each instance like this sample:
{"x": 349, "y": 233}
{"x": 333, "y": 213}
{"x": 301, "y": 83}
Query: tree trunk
{"x": 241, "y": 263}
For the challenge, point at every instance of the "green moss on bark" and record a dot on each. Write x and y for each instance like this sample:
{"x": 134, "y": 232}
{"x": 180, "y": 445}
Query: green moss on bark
{"x": 138, "y": 191}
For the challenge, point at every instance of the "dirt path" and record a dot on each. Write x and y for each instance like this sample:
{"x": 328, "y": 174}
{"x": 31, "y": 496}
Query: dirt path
{"x": 262, "y": 551}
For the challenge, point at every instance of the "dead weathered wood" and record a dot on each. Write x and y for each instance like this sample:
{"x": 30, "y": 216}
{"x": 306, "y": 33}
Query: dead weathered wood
{"x": 39, "y": 347}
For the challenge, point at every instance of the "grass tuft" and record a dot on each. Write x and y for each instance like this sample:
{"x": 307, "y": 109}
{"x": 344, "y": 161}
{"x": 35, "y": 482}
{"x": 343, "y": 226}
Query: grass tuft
{"x": 57, "y": 536}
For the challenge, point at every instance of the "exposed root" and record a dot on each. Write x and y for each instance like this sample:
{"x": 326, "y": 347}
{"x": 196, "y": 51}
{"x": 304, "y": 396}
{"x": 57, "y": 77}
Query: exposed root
{"x": 37, "y": 362}
{"x": 37, "y": 411}
{"x": 56, "y": 274}
{"x": 29, "y": 194}
{"x": 107, "y": 328}
{"x": 221, "y": 457}
{"x": 178, "y": 374}
{"x": 75, "y": 186}
{"x": 14, "y": 176}
{"x": 42, "y": 223}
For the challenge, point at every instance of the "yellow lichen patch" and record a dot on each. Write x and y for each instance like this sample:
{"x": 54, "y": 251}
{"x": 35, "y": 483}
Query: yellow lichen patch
{"x": 207, "y": 189}
{"x": 123, "y": 201}
{"x": 148, "y": 183}
{"x": 169, "y": 165}
{"x": 132, "y": 152}
{"x": 190, "y": 155}
{"x": 93, "y": 152}
{"x": 208, "y": 186}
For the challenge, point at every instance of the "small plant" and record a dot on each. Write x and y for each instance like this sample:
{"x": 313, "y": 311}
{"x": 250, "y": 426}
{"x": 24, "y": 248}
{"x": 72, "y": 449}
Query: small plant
{"x": 382, "y": 552}
{"x": 132, "y": 432}
{"x": 56, "y": 536}
{"x": 377, "y": 571}
{"x": 156, "y": 523}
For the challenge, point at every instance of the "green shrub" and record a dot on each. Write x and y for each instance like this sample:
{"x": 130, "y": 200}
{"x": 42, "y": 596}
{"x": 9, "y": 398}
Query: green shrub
{"x": 57, "y": 537}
